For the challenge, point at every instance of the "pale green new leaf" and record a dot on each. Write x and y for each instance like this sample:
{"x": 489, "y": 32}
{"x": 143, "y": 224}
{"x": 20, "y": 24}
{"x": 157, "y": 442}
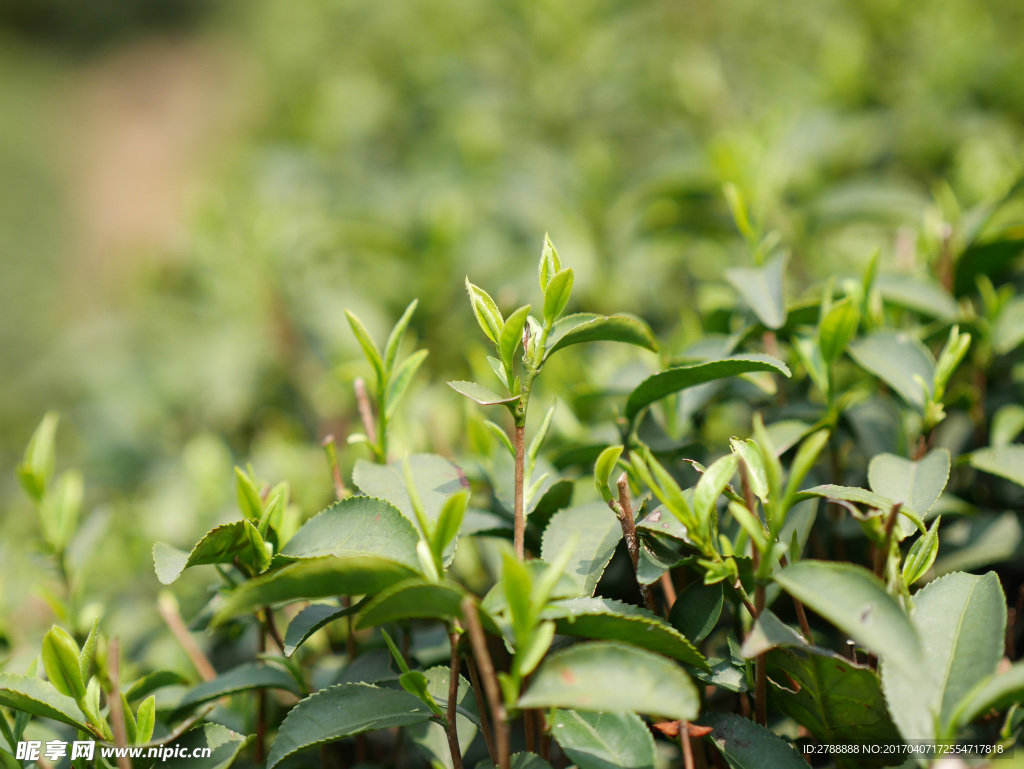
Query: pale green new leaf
{"x": 837, "y": 328}
{"x": 512, "y": 335}
{"x": 395, "y": 337}
{"x": 556, "y": 295}
{"x": 486, "y": 311}
{"x": 366, "y": 342}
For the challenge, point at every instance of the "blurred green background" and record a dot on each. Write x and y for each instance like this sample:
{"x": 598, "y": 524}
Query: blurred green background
{"x": 192, "y": 193}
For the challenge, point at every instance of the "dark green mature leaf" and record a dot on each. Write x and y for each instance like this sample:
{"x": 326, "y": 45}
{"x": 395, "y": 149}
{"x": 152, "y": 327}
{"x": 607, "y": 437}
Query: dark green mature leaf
{"x": 481, "y": 394}
{"x": 897, "y": 358}
{"x": 677, "y": 378}
{"x": 662, "y": 521}
{"x": 994, "y": 693}
{"x": 219, "y": 545}
{"x": 436, "y": 479}
{"x": 39, "y": 698}
{"x": 835, "y": 699}
{"x": 431, "y": 738}
{"x": 763, "y": 289}
{"x": 612, "y": 620}
{"x": 151, "y": 682}
{"x": 341, "y": 711}
{"x": 747, "y": 745}
{"x": 961, "y": 620}
{"x": 855, "y": 601}
{"x": 356, "y": 526}
{"x": 586, "y": 327}
{"x": 697, "y": 609}
{"x": 612, "y": 678}
{"x": 224, "y": 746}
{"x": 414, "y": 598}
{"x": 604, "y": 740}
{"x": 916, "y": 484}
{"x": 599, "y": 532}
{"x": 1004, "y": 461}
{"x": 311, "y": 619}
{"x": 311, "y": 579}
{"x": 251, "y": 675}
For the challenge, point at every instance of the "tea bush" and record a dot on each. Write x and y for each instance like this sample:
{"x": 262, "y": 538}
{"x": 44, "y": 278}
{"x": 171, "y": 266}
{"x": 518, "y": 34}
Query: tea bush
{"x": 794, "y": 540}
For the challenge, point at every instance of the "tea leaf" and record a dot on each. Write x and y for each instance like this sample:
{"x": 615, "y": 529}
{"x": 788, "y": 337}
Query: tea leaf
{"x": 961, "y": 620}
{"x": 395, "y": 337}
{"x": 400, "y": 381}
{"x": 696, "y": 610}
{"x": 353, "y": 527}
{"x": 835, "y": 699}
{"x": 994, "y": 693}
{"x": 60, "y": 661}
{"x": 482, "y": 395}
{"x": 854, "y": 600}
{"x": 763, "y": 289}
{"x": 486, "y": 311}
{"x": 430, "y": 738}
{"x": 341, "y": 711}
{"x": 838, "y": 327}
{"x": 251, "y": 675}
{"x": 898, "y": 360}
{"x": 747, "y": 745}
{"x": 311, "y": 619}
{"x": 677, "y": 378}
{"x": 613, "y": 678}
{"x": 512, "y": 335}
{"x": 915, "y": 484}
{"x": 1004, "y": 461}
{"x": 36, "y": 697}
{"x": 599, "y": 532}
{"x": 224, "y": 746}
{"x": 366, "y": 342}
{"x": 611, "y": 620}
{"x": 310, "y": 579}
{"x": 220, "y": 545}
{"x": 922, "y": 554}
{"x": 556, "y": 295}
{"x": 604, "y": 740}
{"x": 411, "y": 599}
{"x": 586, "y": 327}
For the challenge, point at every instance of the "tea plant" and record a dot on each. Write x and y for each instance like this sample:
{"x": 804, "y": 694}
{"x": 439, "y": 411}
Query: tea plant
{"x": 801, "y": 589}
